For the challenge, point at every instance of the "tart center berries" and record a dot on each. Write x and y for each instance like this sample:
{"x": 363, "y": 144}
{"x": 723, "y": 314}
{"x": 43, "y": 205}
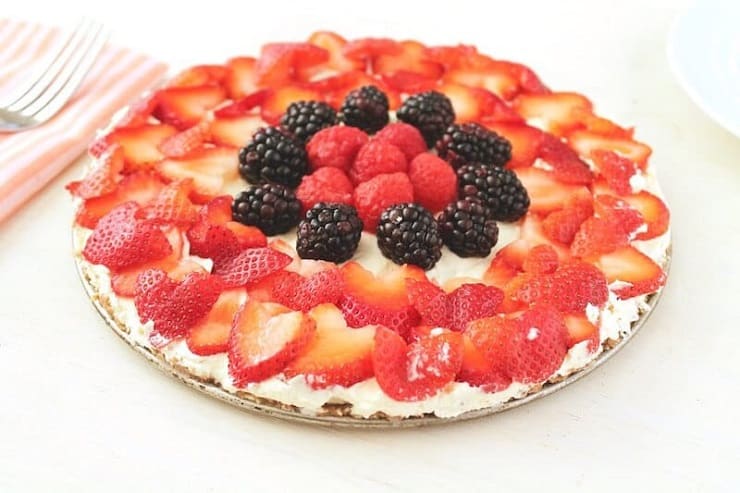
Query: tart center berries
{"x": 273, "y": 156}
{"x": 431, "y": 112}
{"x": 407, "y": 234}
{"x": 498, "y": 189}
{"x": 365, "y": 108}
{"x": 304, "y": 118}
{"x": 471, "y": 142}
{"x": 329, "y": 232}
{"x": 466, "y": 229}
{"x": 271, "y": 207}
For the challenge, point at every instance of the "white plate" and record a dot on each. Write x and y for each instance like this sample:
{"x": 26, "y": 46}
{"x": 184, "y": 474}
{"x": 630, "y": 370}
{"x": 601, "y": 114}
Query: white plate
{"x": 704, "y": 52}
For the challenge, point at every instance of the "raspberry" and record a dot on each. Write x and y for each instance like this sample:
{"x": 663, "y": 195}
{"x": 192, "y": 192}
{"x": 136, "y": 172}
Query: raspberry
{"x": 335, "y": 147}
{"x": 541, "y": 259}
{"x": 375, "y": 158}
{"x": 372, "y": 197}
{"x": 434, "y": 181}
{"x": 404, "y": 136}
{"x": 324, "y": 185}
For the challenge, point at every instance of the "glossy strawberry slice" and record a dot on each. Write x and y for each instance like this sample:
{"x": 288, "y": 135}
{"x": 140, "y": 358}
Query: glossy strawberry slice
{"x": 617, "y": 210}
{"x": 484, "y": 345}
{"x": 598, "y": 235}
{"x": 333, "y": 44}
{"x": 139, "y": 113}
{"x": 264, "y": 338}
{"x": 336, "y": 355}
{"x": 242, "y": 77}
{"x": 211, "y": 334}
{"x": 418, "y": 370}
{"x": 234, "y": 131}
{"x": 639, "y": 272}
{"x": 303, "y": 293}
{"x": 139, "y": 187}
{"x": 409, "y": 59}
{"x": 403, "y": 81}
{"x": 587, "y": 142}
{"x": 557, "y": 112}
{"x": 473, "y": 301}
{"x": 245, "y": 106}
{"x": 500, "y": 271}
{"x": 208, "y": 167}
{"x": 119, "y": 240}
{"x": 430, "y": 301}
{"x": 103, "y": 179}
{"x": 171, "y": 205}
{"x": 617, "y": 170}
{"x": 537, "y": 346}
{"x": 370, "y": 48}
{"x": 580, "y": 329}
{"x": 653, "y": 210}
{"x": 541, "y": 259}
{"x": 545, "y": 192}
{"x": 250, "y": 265}
{"x": 279, "y": 99}
{"x": 561, "y": 225}
{"x": 566, "y": 166}
{"x": 200, "y": 75}
{"x": 183, "y": 107}
{"x": 182, "y": 143}
{"x": 498, "y": 82}
{"x": 140, "y": 144}
{"x": 278, "y": 62}
{"x": 473, "y": 103}
{"x": 525, "y": 141}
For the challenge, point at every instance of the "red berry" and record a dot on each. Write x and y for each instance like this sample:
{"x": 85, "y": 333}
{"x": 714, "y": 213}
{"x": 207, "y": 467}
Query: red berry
{"x": 103, "y": 179}
{"x": 567, "y": 166}
{"x": 430, "y": 301}
{"x": 372, "y": 197}
{"x": 324, "y": 185}
{"x": 473, "y": 301}
{"x": 537, "y": 345}
{"x": 171, "y": 205}
{"x": 303, "y": 293}
{"x": 562, "y": 225}
{"x": 250, "y": 265}
{"x": 485, "y": 341}
{"x": 404, "y": 136}
{"x": 617, "y": 170}
{"x": 541, "y": 259}
{"x": 376, "y": 158}
{"x": 569, "y": 289}
{"x": 335, "y": 147}
{"x": 620, "y": 212}
{"x": 434, "y": 181}
{"x": 596, "y": 236}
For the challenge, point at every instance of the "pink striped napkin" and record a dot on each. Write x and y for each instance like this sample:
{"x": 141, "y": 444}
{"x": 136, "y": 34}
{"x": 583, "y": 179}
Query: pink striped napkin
{"x": 30, "y": 159}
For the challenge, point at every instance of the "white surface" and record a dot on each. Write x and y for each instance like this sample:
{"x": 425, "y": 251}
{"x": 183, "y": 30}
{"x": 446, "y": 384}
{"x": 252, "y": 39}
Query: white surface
{"x": 82, "y": 412}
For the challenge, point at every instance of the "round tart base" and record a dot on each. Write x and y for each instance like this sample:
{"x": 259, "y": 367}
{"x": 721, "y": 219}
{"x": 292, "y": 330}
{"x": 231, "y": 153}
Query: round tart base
{"x": 340, "y": 415}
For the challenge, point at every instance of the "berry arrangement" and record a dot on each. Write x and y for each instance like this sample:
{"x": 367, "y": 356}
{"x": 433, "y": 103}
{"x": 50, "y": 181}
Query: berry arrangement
{"x": 422, "y": 150}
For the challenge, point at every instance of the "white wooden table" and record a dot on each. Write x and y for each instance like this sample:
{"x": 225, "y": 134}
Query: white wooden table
{"x": 80, "y": 411}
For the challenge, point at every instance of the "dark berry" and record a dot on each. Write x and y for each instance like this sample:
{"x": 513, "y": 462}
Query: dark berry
{"x": 273, "y": 156}
{"x": 466, "y": 229}
{"x": 407, "y": 234}
{"x": 330, "y": 232}
{"x": 304, "y": 118}
{"x": 431, "y": 112}
{"x": 473, "y": 143}
{"x": 498, "y": 189}
{"x": 365, "y": 108}
{"x": 271, "y": 207}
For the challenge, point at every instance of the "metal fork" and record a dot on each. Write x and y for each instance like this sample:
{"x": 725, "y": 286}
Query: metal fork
{"x": 46, "y": 93}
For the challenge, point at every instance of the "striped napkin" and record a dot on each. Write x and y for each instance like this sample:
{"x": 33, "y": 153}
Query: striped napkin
{"x": 30, "y": 159}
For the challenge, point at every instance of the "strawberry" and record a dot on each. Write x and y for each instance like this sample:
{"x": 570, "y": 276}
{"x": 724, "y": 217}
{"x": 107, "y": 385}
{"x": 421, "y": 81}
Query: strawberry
{"x": 525, "y": 141}
{"x": 653, "y": 210}
{"x": 140, "y": 144}
{"x": 244, "y": 106}
{"x": 409, "y": 59}
{"x": 337, "y": 355}
{"x": 566, "y": 166}
{"x": 335, "y": 88}
{"x": 280, "y": 98}
{"x": 434, "y": 181}
{"x": 545, "y": 192}
{"x": 541, "y": 259}
{"x": 119, "y": 240}
{"x": 264, "y": 338}
{"x": 531, "y": 234}
{"x": 598, "y": 235}
{"x": 585, "y": 143}
{"x": 629, "y": 265}
{"x": 375, "y": 158}
{"x": 367, "y": 49}
{"x": 103, "y": 179}
{"x": 138, "y": 113}
{"x": 430, "y": 301}
{"x": 234, "y": 131}
{"x": 241, "y": 79}
{"x": 324, "y": 185}
{"x": 616, "y": 169}
{"x": 333, "y": 44}
{"x": 500, "y": 83}
{"x": 473, "y": 103}
{"x": 200, "y": 75}
{"x": 139, "y": 187}
{"x": 404, "y": 136}
{"x": 335, "y": 147}
{"x": 174, "y": 306}
{"x": 369, "y": 300}
{"x": 537, "y": 345}
{"x": 372, "y": 197}
{"x": 250, "y": 265}
{"x": 473, "y": 301}
{"x": 569, "y": 289}
{"x": 211, "y": 334}
{"x": 558, "y": 112}
{"x": 562, "y": 225}
{"x": 452, "y": 57}
{"x": 418, "y": 370}
{"x": 403, "y": 81}
{"x": 209, "y": 167}
{"x": 580, "y": 329}
{"x": 620, "y": 213}
{"x": 527, "y": 80}
{"x": 183, "y": 107}
{"x": 182, "y": 143}
{"x": 171, "y": 205}
{"x": 279, "y": 62}
{"x": 484, "y": 341}
{"x": 303, "y": 293}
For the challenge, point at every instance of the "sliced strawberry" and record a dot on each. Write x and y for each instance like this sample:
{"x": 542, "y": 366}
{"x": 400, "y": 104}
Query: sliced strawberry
{"x": 473, "y": 103}
{"x": 537, "y": 346}
{"x": 580, "y": 329}
{"x": 629, "y": 265}
{"x": 337, "y": 355}
{"x": 200, "y": 75}
{"x": 183, "y": 107}
{"x": 484, "y": 343}
{"x": 654, "y": 212}
{"x": 139, "y": 187}
{"x": 333, "y": 44}
{"x": 279, "y": 99}
{"x": 409, "y": 59}
{"x": 546, "y": 194}
{"x": 138, "y": 113}
{"x": 618, "y": 211}
{"x": 587, "y": 142}
{"x": 598, "y": 235}
{"x": 453, "y": 57}
{"x": 532, "y": 233}
{"x": 303, "y": 293}
{"x": 418, "y": 370}
{"x": 243, "y": 106}
{"x": 500, "y": 83}
{"x": 367, "y": 49}
{"x": 264, "y": 338}
{"x": 430, "y": 301}
{"x": 541, "y": 259}
{"x": 278, "y": 62}
{"x": 557, "y": 112}
{"x": 140, "y": 144}
{"x": 250, "y": 265}
{"x": 617, "y": 170}
{"x": 473, "y": 301}
{"x": 211, "y": 334}
{"x": 525, "y": 141}
{"x": 506, "y": 264}
{"x": 209, "y": 167}
{"x": 527, "y": 80}
{"x": 234, "y": 131}
{"x": 171, "y": 205}
{"x": 119, "y": 240}
{"x": 561, "y": 225}
{"x": 403, "y": 81}
{"x": 103, "y": 179}
{"x": 566, "y": 166}
{"x": 182, "y": 143}
{"x": 242, "y": 77}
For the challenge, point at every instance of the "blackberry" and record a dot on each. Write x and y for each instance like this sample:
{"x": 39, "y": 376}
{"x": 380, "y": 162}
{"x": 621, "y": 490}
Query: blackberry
{"x": 329, "y": 232}
{"x": 365, "y": 108}
{"x": 498, "y": 189}
{"x": 271, "y": 207}
{"x": 466, "y": 229}
{"x": 274, "y": 156}
{"x": 304, "y": 118}
{"x": 408, "y": 234}
{"x": 431, "y": 112}
{"x": 473, "y": 143}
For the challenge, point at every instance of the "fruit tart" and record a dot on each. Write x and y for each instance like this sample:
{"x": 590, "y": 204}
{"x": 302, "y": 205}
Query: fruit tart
{"x": 370, "y": 229}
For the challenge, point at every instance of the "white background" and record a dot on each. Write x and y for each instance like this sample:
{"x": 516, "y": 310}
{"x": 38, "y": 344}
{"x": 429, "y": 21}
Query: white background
{"x": 80, "y": 411}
